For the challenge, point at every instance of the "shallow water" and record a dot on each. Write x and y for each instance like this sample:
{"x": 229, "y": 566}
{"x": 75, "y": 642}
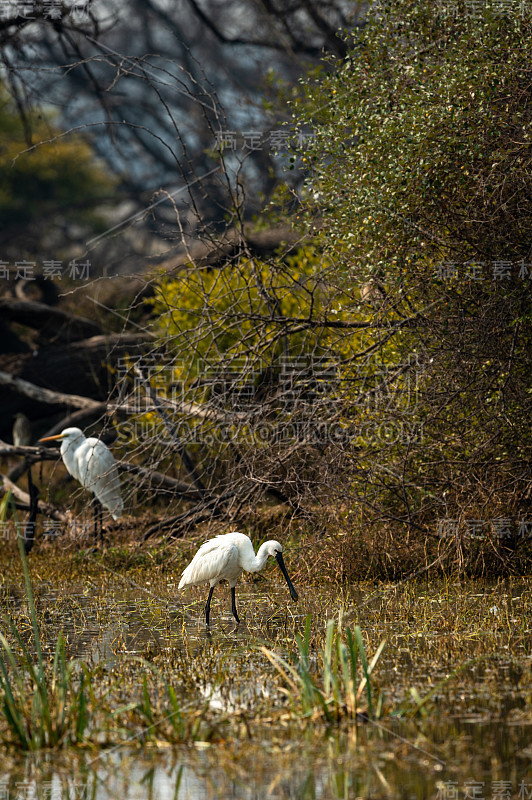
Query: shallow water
{"x": 479, "y": 746}
{"x": 389, "y": 761}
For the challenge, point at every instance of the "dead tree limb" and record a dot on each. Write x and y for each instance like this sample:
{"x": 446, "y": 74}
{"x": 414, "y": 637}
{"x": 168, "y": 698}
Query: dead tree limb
{"x": 33, "y": 454}
{"x": 52, "y": 323}
{"x": 158, "y": 480}
{"x": 194, "y": 516}
{"x": 180, "y": 447}
{"x": 24, "y": 500}
{"x": 46, "y": 395}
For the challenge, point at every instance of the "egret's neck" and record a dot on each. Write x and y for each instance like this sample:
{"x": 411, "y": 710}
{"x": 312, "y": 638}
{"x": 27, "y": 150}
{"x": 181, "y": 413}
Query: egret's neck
{"x": 69, "y": 445}
{"x": 68, "y": 453}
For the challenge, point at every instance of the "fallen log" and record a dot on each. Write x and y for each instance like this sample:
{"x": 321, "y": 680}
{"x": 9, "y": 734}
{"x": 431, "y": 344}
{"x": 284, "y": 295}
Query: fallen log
{"x": 43, "y": 395}
{"x": 24, "y": 500}
{"x": 33, "y": 454}
{"x": 52, "y": 323}
{"x": 86, "y": 368}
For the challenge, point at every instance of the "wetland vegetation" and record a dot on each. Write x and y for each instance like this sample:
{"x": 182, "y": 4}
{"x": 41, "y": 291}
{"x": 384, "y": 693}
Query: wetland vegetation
{"x": 450, "y": 666}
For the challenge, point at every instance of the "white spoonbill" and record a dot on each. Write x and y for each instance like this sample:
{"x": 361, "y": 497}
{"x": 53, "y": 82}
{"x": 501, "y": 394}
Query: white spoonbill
{"x": 91, "y": 463}
{"x": 224, "y": 558}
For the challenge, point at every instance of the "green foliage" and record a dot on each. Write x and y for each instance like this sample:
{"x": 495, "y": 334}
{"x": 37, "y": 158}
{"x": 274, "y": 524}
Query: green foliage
{"x": 57, "y": 181}
{"x": 209, "y": 314}
{"x": 422, "y": 155}
{"x": 424, "y": 145}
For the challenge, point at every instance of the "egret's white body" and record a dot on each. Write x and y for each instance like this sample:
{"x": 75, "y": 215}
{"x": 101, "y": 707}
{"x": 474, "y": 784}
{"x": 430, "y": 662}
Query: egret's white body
{"x": 91, "y": 463}
{"x": 224, "y": 558}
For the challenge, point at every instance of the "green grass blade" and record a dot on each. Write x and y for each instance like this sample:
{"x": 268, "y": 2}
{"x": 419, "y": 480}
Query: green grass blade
{"x": 16, "y": 673}
{"x": 364, "y": 661}
{"x": 82, "y": 717}
{"x": 29, "y": 593}
{"x": 327, "y": 657}
{"x": 145, "y": 707}
{"x": 11, "y": 706}
{"x": 176, "y": 717}
{"x": 347, "y": 693}
{"x": 353, "y": 665}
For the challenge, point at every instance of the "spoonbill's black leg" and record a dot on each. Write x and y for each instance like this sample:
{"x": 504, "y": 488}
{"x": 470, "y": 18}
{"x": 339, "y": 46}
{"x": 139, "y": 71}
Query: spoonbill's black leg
{"x": 208, "y": 606}
{"x": 233, "y": 603}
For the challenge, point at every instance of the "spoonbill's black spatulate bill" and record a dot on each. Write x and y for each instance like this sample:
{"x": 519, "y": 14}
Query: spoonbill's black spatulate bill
{"x": 224, "y": 558}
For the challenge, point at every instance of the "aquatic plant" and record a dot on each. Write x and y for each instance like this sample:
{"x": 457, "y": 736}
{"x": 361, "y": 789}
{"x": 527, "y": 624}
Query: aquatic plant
{"x": 335, "y": 693}
{"x": 42, "y": 706}
{"x": 169, "y": 721}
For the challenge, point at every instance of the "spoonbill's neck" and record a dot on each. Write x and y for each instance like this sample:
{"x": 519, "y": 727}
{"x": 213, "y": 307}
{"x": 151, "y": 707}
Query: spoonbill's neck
{"x": 252, "y": 562}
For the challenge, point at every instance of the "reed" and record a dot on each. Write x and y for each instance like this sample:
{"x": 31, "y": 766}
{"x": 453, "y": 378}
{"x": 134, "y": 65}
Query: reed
{"x": 333, "y": 690}
{"x": 165, "y": 720}
{"x": 43, "y": 705}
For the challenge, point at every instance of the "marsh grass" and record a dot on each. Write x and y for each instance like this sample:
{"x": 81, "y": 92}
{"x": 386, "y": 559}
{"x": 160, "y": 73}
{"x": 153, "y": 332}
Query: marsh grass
{"x": 42, "y": 707}
{"x": 50, "y": 706}
{"x": 335, "y": 692}
{"x": 152, "y": 675}
{"x": 55, "y": 705}
{"x": 167, "y": 720}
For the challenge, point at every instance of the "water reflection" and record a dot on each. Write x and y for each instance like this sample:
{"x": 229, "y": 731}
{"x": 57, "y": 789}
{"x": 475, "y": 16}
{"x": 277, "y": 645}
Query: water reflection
{"x": 489, "y": 762}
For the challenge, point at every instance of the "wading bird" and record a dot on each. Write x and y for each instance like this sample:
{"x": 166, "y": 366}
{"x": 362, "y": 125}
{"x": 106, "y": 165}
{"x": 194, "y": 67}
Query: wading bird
{"x": 224, "y": 558}
{"x": 91, "y": 463}
{"x": 21, "y": 430}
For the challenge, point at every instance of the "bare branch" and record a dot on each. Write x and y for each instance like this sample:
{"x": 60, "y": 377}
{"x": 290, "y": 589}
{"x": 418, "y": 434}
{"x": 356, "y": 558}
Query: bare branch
{"x": 23, "y": 497}
{"x": 47, "y": 395}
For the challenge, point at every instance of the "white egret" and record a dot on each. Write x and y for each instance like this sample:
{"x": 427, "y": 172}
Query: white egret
{"x": 21, "y": 430}
{"x": 91, "y": 463}
{"x": 224, "y": 558}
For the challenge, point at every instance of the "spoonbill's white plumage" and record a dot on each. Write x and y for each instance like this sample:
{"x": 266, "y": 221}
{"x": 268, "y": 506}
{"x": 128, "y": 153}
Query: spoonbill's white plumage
{"x": 224, "y": 558}
{"x": 91, "y": 463}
